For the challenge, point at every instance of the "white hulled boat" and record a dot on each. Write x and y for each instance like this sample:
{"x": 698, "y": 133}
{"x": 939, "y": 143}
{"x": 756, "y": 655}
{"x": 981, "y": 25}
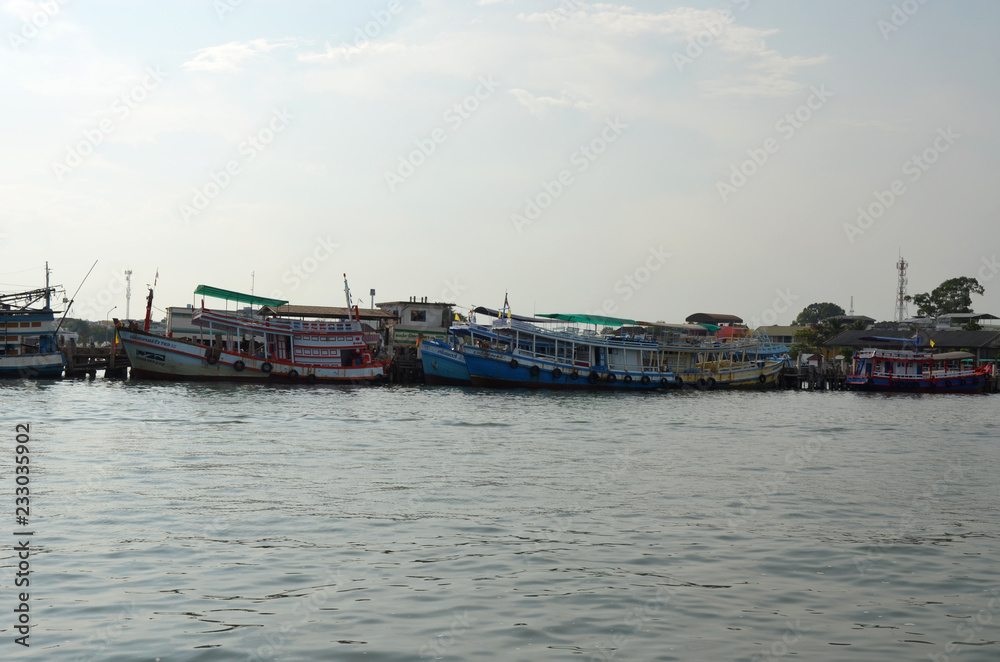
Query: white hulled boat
{"x": 28, "y": 346}
{"x": 252, "y": 347}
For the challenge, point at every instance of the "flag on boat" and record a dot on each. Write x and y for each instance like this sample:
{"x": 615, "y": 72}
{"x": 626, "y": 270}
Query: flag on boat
{"x": 932, "y": 343}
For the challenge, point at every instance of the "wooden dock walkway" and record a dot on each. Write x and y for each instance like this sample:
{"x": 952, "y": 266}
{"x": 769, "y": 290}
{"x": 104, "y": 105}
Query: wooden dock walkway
{"x": 811, "y": 378}
{"x": 85, "y": 360}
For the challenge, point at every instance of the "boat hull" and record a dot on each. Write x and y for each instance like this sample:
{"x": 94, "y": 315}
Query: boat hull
{"x": 504, "y": 370}
{"x": 736, "y": 377}
{"x": 966, "y": 384}
{"x": 156, "y": 357}
{"x": 32, "y": 366}
{"x": 443, "y": 366}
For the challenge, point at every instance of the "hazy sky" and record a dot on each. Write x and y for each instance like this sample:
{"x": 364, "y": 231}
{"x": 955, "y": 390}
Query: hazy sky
{"x": 647, "y": 159}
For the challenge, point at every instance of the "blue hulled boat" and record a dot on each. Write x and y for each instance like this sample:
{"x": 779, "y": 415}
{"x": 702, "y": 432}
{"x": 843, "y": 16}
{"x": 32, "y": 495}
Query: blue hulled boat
{"x": 526, "y": 355}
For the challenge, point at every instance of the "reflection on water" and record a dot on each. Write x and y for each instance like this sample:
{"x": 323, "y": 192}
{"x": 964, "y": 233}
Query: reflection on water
{"x": 268, "y": 522}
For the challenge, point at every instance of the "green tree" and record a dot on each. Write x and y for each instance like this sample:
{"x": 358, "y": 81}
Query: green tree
{"x": 829, "y": 328}
{"x": 817, "y": 312}
{"x": 806, "y": 339}
{"x": 952, "y": 296}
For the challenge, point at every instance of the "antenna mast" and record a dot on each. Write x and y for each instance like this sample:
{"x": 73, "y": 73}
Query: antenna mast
{"x": 128, "y": 292}
{"x": 901, "y": 313}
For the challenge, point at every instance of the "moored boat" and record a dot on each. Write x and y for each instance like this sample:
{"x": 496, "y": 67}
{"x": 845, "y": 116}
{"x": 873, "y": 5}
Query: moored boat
{"x": 526, "y": 355}
{"x": 443, "y": 364}
{"x": 915, "y": 371}
{"x": 28, "y": 346}
{"x": 251, "y": 347}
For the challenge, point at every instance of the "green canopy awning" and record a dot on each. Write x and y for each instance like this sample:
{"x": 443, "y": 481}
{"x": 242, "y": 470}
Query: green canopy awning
{"x": 591, "y": 319}
{"x": 218, "y": 292}
{"x": 711, "y": 327}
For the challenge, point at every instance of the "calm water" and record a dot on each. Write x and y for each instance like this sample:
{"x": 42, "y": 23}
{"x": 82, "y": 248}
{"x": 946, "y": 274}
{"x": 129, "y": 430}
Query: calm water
{"x": 240, "y": 522}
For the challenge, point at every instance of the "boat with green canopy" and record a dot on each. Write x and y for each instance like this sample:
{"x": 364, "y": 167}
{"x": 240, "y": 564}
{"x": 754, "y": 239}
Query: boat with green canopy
{"x": 248, "y": 345}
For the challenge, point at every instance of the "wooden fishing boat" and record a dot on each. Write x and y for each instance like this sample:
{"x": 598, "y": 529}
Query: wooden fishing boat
{"x": 247, "y": 346}
{"x": 28, "y": 329}
{"x": 915, "y": 371}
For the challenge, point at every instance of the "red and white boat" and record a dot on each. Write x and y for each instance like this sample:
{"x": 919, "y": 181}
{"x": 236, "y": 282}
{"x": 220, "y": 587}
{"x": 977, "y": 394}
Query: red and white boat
{"x": 242, "y": 347}
{"x": 915, "y": 371}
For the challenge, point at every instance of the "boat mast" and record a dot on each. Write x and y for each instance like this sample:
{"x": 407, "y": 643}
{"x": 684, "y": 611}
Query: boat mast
{"x": 347, "y": 293}
{"x": 149, "y": 302}
{"x": 48, "y": 294}
{"x": 70, "y": 305}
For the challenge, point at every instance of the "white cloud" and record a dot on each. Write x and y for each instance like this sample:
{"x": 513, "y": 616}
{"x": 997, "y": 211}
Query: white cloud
{"x": 540, "y": 105}
{"x": 230, "y": 57}
{"x": 752, "y": 68}
{"x": 346, "y": 52}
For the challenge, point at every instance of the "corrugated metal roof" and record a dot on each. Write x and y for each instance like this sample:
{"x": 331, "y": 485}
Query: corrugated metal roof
{"x": 942, "y": 338}
{"x": 713, "y": 318}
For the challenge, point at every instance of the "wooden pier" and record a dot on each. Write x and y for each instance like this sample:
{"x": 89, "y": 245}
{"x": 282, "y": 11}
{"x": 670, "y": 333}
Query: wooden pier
{"x": 406, "y": 368}
{"x": 85, "y": 360}
{"x": 812, "y": 378}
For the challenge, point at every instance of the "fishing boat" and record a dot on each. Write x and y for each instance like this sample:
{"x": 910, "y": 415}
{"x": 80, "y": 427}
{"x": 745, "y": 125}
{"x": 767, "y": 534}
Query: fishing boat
{"x": 443, "y": 361}
{"x": 526, "y": 355}
{"x": 627, "y": 352}
{"x": 246, "y": 346}
{"x": 913, "y": 370}
{"x": 28, "y": 329}
{"x": 707, "y": 364}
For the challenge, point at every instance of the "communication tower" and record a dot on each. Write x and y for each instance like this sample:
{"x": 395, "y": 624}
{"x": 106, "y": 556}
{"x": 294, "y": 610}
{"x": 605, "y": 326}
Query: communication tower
{"x": 901, "y": 313}
{"x": 128, "y": 291}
